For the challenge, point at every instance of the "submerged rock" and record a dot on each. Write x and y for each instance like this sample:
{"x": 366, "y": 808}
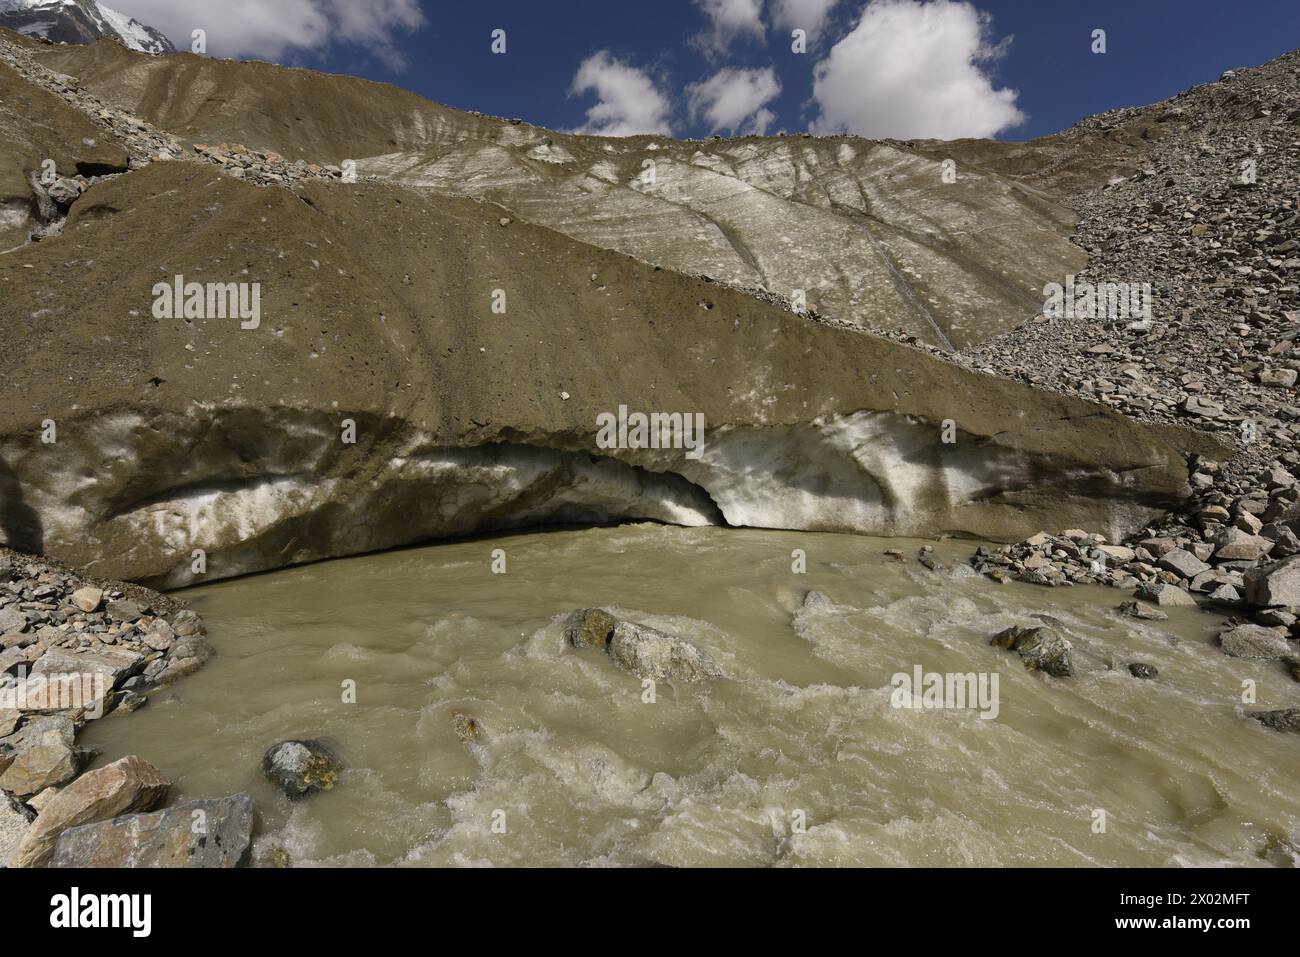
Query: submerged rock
{"x": 1254, "y": 641}
{"x": 301, "y": 767}
{"x": 649, "y": 653}
{"x": 589, "y": 628}
{"x": 1287, "y": 719}
{"x": 1041, "y": 649}
{"x": 1139, "y": 669}
{"x": 1135, "y": 609}
{"x": 640, "y": 649}
{"x": 212, "y": 833}
{"x": 467, "y": 728}
{"x": 122, "y": 787}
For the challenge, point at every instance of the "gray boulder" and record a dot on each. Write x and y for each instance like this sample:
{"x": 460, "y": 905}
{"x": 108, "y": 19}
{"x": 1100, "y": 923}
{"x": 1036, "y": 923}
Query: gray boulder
{"x": 1184, "y": 563}
{"x": 1135, "y": 609}
{"x": 1041, "y": 649}
{"x": 649, "y": 653}
{"x": 1254, "y": 641}
{"x": 1276, "y": 584}
{"x": 301, "y": 768}
{"x": 1162, "y": 594}
{"x": 212, "y": 833}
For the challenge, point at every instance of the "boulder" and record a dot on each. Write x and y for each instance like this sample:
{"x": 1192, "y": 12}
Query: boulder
{"x": 1254, "y": 641}
{"x": 12, "y": 621}
{"x": 1277, "y": 584}
{"x": 301, "y": 768}
{"x": 125, "y": 610}
{"x": 589, "y": 628}
{"x": 650, "y": 653}
{"x": 88, "y": 598}
{"x": 46, "y": 756}
{"x": 1183, "y": 563}
{"x": 1135, "y": 609}
{"x": 1163, "y": 594}
{"x": 1232, "y": 544}
{"x": 123, "y": 787}
{"x": 112, "y": 663}
{"x": 212, "y": 833}
{"x": 1139, "y": 669}
{"x": 1041, "y": 649}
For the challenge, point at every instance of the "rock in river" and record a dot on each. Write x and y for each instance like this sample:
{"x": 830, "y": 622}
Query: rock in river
{"x": 301, "y": 767}
{"x": 1253, "y": 641}
{"x": 1287, "y": 719}
{"x": 1041, "y": 649}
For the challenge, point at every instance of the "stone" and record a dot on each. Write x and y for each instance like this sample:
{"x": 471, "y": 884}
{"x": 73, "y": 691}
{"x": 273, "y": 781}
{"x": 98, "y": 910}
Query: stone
{"x": 1225, "y": 595}
{"x": 13, "y": 826}
{"x": 123, "y": 787}
{"x": 1163, "y": 594}
{"x": 46, "y": 756}
{"x": 1041, "y": 649}
{"x": 1253, "y": 641}
{"x": 1144, "y": 671}
{"x": 125, "y": 610}
{"x": 1119, "y": 554}
{"x": 301, "y": 768}
{"x": 1278, "y": 378}
{"x": 467, "y": 728}
{"x": 165, "y": 839}
{"x": 650, "y": 653}
{"x": 12, "y": 621}
{"x": 160, "y": 636}
{"x": 815, "y": 600}
{"x": 589, "y": 628}
{"x": 1234, "y": 544}
{"x": 1135, "y": 609}
{"x": 1287, "y": 719}
{"x": 88, "y": 598}
{"x": 1183, "y": 563}
{"x": 1277, "y": 584}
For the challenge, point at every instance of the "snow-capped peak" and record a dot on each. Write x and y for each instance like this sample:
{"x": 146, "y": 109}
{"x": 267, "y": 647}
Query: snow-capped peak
{"x": 80, "y": 21}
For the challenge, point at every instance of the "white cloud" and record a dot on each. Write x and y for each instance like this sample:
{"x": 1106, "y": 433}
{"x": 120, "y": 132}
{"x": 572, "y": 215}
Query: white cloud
{"x": 730, "y": 20}
{"x": 272, "y": 28}
{"x": 809, "y": 15}
{"x": 735, "y": 100}
{"x": 912, "y": 70}
{"x": 628, "y": 101}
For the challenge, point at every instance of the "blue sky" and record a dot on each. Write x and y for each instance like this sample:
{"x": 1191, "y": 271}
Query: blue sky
{"x": 1014, "y": 69}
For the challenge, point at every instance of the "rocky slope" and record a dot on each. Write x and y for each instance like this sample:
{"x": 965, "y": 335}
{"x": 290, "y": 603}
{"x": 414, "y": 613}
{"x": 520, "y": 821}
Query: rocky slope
{"x": 1212, "y": 221}
{"x": 384, "y": 398}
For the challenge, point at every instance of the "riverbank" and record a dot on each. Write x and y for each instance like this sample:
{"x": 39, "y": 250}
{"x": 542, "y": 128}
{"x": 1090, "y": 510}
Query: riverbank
{"x": 74, "y": 650}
